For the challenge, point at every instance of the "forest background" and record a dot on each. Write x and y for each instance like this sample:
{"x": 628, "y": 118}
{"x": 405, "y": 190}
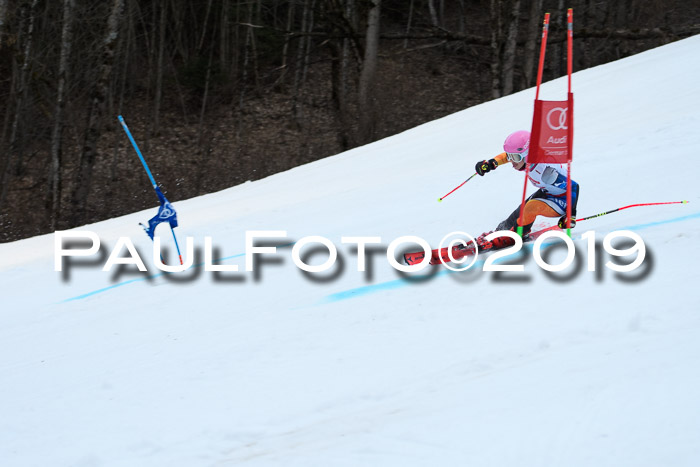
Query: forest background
{"x": 218, "y": 92}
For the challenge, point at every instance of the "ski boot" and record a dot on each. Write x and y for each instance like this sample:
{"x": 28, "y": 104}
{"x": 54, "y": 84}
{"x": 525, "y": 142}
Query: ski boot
{"x": 494, "y": 244}
{"x": 482, "y": 244}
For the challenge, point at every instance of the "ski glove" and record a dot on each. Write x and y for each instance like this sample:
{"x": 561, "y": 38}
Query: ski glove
{"x": 486, "y": 166}
{"x": 562, "y": 222}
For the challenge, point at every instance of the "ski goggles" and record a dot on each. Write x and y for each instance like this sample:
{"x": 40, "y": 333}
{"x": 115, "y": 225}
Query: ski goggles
{"x": 516, "y": 156}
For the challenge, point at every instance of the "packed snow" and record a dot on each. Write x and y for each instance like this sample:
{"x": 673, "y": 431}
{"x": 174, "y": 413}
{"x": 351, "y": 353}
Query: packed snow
{"x": 277, "y": 367}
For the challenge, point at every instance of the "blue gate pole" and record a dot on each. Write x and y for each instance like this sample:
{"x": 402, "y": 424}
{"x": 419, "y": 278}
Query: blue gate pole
{"x": 150, "y": 176}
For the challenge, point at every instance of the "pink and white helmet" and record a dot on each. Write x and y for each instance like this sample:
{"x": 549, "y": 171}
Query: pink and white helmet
{"x": 517, "y": 145}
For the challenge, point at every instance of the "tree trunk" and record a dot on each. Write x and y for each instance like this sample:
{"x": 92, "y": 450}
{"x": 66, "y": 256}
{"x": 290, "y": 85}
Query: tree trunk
{"x": 3, "y": 16}
{"x": 203, "y": 109}
{"x": 55, "y": 181}
{"x": 285, "y": 48}
{"x": 433, "y": 14}
{"x": 204, "y": 27}
{"x": 24, "y": 78}
{"x": 201, "y": 151}
{"x": 22, "y": 93}
{"x": 4, "y": 155}
{"x": 408, "y": 23}
{"x": 98, "y": 100}
{"x": 152, "y": 60}
{"x": 558, "y": 57}
{"x": 532, "y": 41}
{"x": 496, "y": 56}
{"x": 309, "y": 42}
{"x": 178, "y": 24}
{"x": 124, "y": 51}
{"x": 368, "y": 75}
{"x": 244, "y": 79}
{"x": 341, "y": 22}
{"x": 339, "y": 65}
{"x": 587, "y": 19}
{"x": 224, "y": 54}
{"x": 254, "y": 57}
{"x": 462, "y": 26}
{"x": 300, "y": 63}
{"x": 345, "y": 62}
{"x": 510, "y": 46}
{"x": 158, "y": 97}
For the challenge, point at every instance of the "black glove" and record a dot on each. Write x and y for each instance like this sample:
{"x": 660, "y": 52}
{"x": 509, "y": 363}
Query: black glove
{"x": 562, "y": 222}
{"x": 486, "y": 166}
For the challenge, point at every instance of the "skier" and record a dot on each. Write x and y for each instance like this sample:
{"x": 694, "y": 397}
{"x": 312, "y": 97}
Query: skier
{"x": 548, "y": 201}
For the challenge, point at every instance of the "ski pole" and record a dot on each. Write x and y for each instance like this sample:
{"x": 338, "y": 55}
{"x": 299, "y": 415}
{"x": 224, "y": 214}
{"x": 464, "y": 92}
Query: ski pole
{"x": 630, "y": 206}
{"x": 460, "y": 186}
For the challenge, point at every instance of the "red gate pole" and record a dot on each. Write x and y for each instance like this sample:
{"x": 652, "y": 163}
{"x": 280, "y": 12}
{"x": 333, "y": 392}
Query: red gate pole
{"x": 570, "y": 143}
{"x": 543, "y": 47}
{"x": 570, "y": 42}
{"x": 540, "y": 68}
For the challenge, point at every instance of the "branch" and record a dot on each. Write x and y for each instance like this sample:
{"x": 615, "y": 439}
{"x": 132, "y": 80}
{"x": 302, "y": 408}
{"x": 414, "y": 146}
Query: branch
{"x": 629, "y": 34}
{"x": 444, "y": 35}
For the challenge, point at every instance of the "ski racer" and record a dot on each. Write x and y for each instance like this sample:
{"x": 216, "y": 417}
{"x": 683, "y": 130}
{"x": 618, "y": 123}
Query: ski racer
{"x": 548, "y": 201}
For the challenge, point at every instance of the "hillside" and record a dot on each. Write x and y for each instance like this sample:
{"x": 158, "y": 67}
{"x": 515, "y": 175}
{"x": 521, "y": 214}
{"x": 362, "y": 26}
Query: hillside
{"x": 274, "y": 367}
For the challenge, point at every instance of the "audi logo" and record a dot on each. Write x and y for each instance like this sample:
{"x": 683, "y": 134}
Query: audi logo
{"x": 560, "y": 123}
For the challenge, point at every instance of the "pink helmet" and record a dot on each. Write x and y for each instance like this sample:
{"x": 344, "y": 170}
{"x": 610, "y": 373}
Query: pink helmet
{"x": 517, "y": 143}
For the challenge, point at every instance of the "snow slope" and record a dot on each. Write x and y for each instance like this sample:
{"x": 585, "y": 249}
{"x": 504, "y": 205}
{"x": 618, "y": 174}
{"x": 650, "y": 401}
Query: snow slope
{"x": 351, "y": 368}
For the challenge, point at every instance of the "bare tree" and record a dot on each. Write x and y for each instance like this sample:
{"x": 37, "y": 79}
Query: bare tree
{"x": 3, "y": 16}
{"x": 433, "y": 14}
{"x": 496, "y": 58}
{"x": 204, "y": 27}
{"x": 462, "y": 27}
{"x": 22, "y": 96}
{"x": 55, "y": 182}
{"x": 3, "y": 131}
{"x": 224, "y": 38}
{"x": 534, "y": 21}
{"x": 301, "y": 63}
{"x": 558, "y": 63}
{"x": 587, "y": 18}
{"x": 509, "y": 48}
{"x": 285, "y": 48}
{"x": 98, "y": 101}
{"x": 210, "y": 54}
{"x": 201, "y": 150}
{"x": 504, "y": 16}
{"x": 340, "y": 19}
{"x": 408, "y": 23}
{"x": 349, "y": 51}
{"x": 368, "y": 74}
{"x": 158, "y": 98}
{"x": 4, "y": 154}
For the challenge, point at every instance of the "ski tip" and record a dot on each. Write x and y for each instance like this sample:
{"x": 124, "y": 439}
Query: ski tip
{"x": 685, "y": 202}
{"x": 439, "y": 200}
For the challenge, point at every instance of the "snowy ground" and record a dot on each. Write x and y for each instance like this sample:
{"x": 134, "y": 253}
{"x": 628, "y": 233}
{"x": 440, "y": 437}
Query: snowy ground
{"x": 356, "y": 368}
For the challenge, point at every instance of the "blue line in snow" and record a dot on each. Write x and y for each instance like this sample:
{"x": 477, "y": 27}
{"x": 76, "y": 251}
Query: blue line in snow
{"x": 669, "y": 221}
{"x": 153, "y": 276}
{"x": 105, "y": 289}
{"x": 382, "y": 286}
{"x": 365, "y": 290}
{"x": 397, "y": 283}
{"x": 359, "y": 291}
